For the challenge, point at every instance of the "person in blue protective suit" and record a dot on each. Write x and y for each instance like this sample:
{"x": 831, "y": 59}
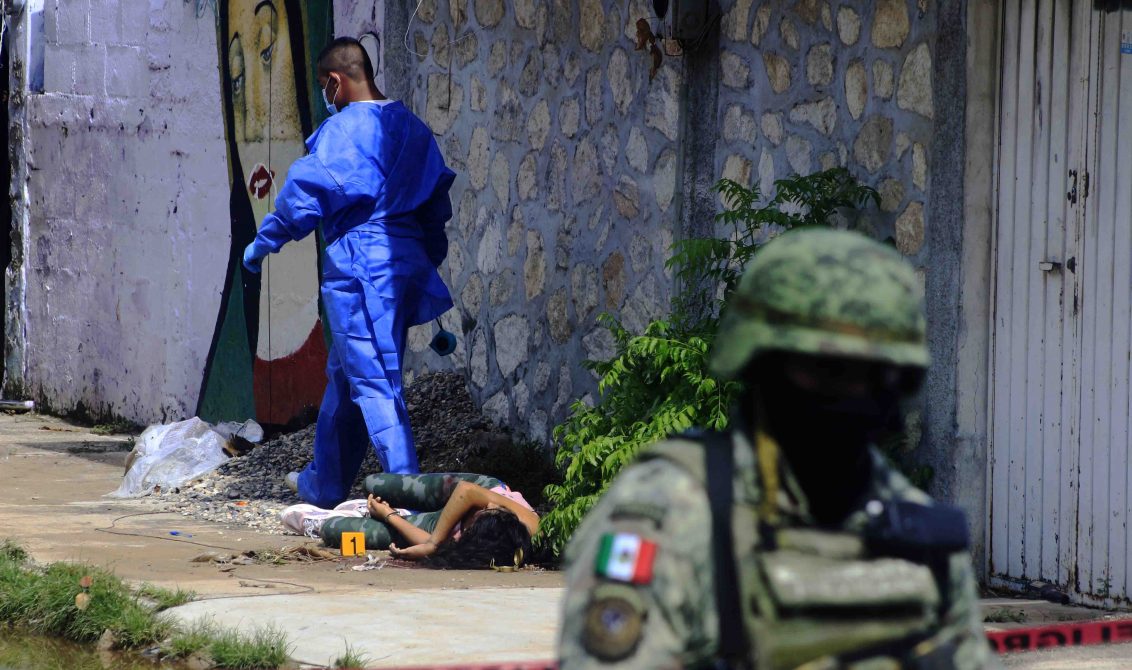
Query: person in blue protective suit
{"x": 375, "y": 180}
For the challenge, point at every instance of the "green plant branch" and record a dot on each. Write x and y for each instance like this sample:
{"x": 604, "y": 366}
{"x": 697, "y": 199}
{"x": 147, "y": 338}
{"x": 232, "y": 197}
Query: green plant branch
{"x": 658, "y": 382}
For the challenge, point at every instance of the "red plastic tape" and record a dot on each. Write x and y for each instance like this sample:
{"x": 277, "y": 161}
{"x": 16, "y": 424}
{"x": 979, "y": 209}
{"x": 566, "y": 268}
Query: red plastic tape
{"x": 529, "y": 665}
{"x": 1003, "y": 641}
{"x": 1061, "y": 635}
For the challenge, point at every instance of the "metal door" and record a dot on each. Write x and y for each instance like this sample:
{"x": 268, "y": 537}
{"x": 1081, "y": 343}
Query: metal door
{"x": 1047, "y": 51}
{"x": 1103, "y": 560}
{"x": 1062, "y": 353}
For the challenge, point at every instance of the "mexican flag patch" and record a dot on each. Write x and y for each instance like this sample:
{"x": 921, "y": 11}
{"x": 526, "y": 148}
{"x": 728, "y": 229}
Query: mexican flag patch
{"x": 624, "y": 557}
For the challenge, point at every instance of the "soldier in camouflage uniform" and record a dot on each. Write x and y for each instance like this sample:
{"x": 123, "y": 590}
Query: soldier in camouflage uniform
{"x": 789, "y": 542}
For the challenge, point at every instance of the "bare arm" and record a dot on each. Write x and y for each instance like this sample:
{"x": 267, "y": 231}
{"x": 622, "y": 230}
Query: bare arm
{"x": 526, "y": 516}
{"x": 384, "y": 512}
{"x": 466, "y": 497}
{"x": 407, "y": 530}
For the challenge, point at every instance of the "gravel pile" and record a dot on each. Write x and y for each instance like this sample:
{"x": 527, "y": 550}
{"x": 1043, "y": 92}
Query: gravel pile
{"x": 248, "y": 490}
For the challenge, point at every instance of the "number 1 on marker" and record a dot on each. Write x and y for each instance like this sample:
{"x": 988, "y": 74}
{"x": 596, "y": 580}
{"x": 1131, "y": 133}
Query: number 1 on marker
{"x": 353, "y": 544}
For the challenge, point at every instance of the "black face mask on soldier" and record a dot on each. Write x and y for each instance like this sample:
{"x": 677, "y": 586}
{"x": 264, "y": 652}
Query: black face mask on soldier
{"x": 824, "y": 429}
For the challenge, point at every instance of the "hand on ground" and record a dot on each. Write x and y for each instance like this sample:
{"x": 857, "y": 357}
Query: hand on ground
{"x": 415, "y": 552}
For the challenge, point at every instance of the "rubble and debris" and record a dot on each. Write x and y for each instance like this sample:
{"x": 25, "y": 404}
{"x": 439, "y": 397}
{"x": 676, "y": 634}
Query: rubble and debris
{"x": 373, "y": 562}
{"x": 451, "y": 435}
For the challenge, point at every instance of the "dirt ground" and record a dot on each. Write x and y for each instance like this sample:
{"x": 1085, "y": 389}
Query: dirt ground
{"x": 54, "y": 477}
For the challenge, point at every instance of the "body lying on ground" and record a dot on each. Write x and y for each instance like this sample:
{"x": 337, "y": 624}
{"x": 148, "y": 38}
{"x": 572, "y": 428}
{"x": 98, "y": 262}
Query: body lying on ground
{"x": 445, "y": 520}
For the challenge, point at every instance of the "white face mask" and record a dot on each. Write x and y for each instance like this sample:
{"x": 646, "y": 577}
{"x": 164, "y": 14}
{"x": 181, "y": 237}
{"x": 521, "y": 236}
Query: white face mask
{"x": 330, "y": 106}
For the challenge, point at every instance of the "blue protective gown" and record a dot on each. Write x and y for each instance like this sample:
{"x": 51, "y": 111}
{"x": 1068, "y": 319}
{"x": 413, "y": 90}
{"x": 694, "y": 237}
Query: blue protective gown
{"x": 376, "y": 182}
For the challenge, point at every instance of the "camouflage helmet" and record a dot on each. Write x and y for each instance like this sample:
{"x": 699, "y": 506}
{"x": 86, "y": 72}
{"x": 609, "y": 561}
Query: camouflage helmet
{"x": 823, "y": 291}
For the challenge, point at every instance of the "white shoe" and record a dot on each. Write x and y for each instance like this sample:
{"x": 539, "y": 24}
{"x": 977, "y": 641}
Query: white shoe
{"x": 292, "y": 481}
{"x": 358, "y": 507}
{"x": 293, "y": 517}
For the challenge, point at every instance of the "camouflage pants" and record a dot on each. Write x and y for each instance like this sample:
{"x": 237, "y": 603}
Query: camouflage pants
{"x": 426, "y": 495}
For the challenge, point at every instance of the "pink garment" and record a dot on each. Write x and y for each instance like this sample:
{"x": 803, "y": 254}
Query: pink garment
{"x": 506, "y": 492}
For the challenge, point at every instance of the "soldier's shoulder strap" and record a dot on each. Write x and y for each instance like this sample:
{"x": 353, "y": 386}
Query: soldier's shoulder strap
{"x": 685, "y": 451}
{"x": 709, "y": 458}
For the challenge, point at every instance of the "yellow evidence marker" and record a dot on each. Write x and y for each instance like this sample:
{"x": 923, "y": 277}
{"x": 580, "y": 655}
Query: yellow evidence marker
{"x": 353, "y": 544}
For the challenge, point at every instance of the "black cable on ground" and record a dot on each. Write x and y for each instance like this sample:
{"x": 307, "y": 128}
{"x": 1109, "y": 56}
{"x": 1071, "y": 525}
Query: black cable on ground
{"x": 113, "y": 530}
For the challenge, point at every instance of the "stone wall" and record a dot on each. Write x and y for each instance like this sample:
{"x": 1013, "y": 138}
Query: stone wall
{"x": 567, "y": 159}
{"x": 880, "y": 88}
{"x": 572, "y": 165}
{"x": 810, "y": 85}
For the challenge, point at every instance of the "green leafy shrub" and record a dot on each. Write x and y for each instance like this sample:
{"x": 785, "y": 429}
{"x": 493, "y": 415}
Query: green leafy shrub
{"x": 708, "y": 269}
{"x": 658, "y": 383}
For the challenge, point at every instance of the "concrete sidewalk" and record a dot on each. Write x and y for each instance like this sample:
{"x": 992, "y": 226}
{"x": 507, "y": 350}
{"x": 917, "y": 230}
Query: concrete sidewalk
{"x": 55, "y": 475}
{"x": 401, "y": 628}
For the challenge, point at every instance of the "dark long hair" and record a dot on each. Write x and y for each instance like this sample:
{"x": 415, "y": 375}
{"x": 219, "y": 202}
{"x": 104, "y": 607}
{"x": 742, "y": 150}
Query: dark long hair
{"x": 495, "y": 537}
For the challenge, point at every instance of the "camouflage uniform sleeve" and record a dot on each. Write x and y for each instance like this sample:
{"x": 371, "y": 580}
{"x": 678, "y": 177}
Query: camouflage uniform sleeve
{"x": 964, "y": 620}
{"x": 668, "y": 622}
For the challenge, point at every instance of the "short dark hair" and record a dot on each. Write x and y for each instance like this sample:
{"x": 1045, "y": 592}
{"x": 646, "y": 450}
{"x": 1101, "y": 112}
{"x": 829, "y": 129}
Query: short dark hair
{"x": 347, "y": 56}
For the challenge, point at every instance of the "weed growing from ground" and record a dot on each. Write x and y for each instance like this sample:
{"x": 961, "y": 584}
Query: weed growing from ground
{"x": 116, "y": 427}
{"x": 351, "y": 659}
{"x": 10, "y": 551}
{"x": 54, "y": 601}
{"x": 164, "y": 599}
{"x": 1005, "y": 615}
{"x": 188, "y": 641}
{"x": 262, "y": 649}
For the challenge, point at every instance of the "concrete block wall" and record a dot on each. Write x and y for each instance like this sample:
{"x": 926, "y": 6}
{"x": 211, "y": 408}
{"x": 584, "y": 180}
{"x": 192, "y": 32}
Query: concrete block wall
{"x": 128, "y": 219}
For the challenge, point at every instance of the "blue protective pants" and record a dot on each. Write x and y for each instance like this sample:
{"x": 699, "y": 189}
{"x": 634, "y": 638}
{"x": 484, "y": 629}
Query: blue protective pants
{"x": 370, "y": 300}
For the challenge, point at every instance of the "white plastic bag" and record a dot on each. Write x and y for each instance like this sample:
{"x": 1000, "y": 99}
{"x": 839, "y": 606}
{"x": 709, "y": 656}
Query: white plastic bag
{"x": 170, "y": 456}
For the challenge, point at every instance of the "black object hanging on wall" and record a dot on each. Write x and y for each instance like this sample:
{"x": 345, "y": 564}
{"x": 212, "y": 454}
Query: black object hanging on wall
{"x": 1112, "y": 5}
{"x": 685, "y": 20}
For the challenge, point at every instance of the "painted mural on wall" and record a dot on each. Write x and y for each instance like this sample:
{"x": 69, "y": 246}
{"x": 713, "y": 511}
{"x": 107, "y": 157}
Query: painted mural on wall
{"x": 268, "y": 351}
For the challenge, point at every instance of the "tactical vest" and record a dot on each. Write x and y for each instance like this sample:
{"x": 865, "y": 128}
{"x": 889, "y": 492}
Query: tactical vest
{"x": 796, "y": 597}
